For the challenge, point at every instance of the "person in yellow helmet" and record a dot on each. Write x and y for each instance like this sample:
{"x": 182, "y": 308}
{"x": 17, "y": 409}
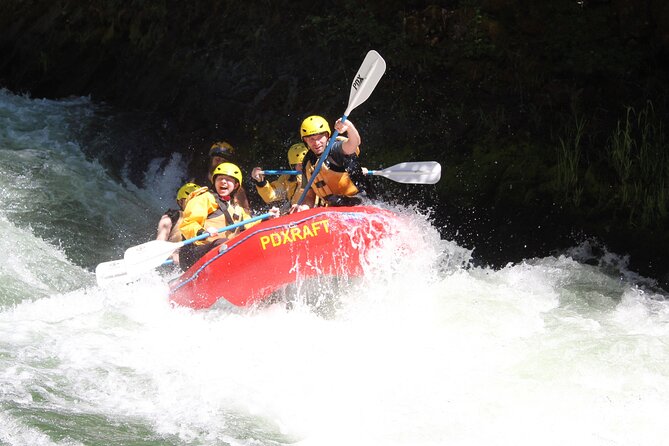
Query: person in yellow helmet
{"x": 168, "y": 226}
{"x": 224, "y": 152}
{"x": 286, "y": 188}
{"x": 340, "y": 177}
{"x": 220, "y": 152}
{"x": 210, "y": 209}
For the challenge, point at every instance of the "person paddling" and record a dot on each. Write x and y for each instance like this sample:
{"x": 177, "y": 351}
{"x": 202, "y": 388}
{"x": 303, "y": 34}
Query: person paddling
{"x": 287, "y": 188}
{"x": 340, "y": 178}
{"x": 168, "y": 226}
{"x": 210, "y": 209}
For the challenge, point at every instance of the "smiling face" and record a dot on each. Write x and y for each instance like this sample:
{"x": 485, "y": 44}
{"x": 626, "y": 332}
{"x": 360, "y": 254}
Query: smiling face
{"x": 317, "y": 143}
{"x": 225, "y": 185}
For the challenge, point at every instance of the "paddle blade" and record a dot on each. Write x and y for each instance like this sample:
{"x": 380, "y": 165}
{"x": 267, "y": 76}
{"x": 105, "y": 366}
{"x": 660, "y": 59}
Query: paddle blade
{"x": 149, "y": 255}
{"x": 420, "y": 172}
{"x": 118, "y": 272}
{"x": 365, "y": 80}
{"x": 108, "y": 272}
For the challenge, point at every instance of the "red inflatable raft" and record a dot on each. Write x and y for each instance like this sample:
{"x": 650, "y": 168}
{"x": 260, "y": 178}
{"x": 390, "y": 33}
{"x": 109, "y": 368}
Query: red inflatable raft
{"x": 277, "y": 252}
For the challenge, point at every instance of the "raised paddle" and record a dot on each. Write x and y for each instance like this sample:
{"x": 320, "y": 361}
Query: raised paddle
{"x": 365, "y": 80}
{"x": 414, "y": 172}
{"x": 150, "y": 255}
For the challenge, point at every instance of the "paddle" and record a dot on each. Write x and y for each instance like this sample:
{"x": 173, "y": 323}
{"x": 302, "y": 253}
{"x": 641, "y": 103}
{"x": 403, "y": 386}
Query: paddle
{"x": 420, "y": 172}
{"x": 107, "y": 272}
{"x": 117, "y": 271}
{"x": 365, "y": 80}
{"x": 416, "y": 172}
{"x": 279, "y": 172}
{"x": 150, "y": 255}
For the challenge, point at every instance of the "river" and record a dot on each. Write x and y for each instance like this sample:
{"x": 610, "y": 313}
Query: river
{"x": 427, "y": 349}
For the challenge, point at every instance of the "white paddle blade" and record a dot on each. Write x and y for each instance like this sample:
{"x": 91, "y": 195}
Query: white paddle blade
{"x": 420, "y": 172}
{"x": 109, "y": 272}
{"x": 150, "y": 255}
{"x": 365, "y": 80}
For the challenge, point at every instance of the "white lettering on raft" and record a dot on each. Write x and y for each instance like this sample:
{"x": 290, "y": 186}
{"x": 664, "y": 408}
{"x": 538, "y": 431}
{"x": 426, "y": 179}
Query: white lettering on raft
{"x": 291, "y": 235}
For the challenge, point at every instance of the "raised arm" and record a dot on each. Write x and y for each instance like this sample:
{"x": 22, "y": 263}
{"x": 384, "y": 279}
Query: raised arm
{"x": 353, "y": 140}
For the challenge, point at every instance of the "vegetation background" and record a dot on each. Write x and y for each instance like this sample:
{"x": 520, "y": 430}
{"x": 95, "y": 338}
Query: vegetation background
{"x": 547, "y": 117}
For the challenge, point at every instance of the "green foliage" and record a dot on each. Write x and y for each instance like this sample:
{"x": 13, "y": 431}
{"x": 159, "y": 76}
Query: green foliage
{"x": 569, "y": 156}
{"x": 478, "y": 85}
{"x": 475, "y": 43}
{"x": 492, "y": 123}
{"x": 639, "y": 154}
{"x": 628, "y": 179}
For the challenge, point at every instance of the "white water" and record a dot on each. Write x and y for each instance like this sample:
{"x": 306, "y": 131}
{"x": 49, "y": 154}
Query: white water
{"x": 421, "y": 352}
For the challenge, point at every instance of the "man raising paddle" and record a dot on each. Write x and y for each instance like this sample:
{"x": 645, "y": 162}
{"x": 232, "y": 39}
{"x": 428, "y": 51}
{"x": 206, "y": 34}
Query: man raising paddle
{"x": 340, "y": 178}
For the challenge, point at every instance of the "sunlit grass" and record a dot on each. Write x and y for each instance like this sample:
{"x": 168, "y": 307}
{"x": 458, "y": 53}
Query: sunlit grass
{"x": 569, "y": 156}
{"x": 638, "y": 153}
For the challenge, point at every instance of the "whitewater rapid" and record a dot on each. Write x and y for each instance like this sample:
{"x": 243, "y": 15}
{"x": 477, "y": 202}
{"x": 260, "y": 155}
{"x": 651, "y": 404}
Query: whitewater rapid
{"x": 425, "y": 350}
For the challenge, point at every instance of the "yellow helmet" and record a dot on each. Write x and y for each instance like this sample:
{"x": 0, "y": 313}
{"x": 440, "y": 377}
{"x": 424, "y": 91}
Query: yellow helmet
{"x": 314, "y": 125}
{"x": 185, "y": 190}
{"x": 228, "y": 169}
{"x": 296, "y": 153}
{"x": 223, "y": 149}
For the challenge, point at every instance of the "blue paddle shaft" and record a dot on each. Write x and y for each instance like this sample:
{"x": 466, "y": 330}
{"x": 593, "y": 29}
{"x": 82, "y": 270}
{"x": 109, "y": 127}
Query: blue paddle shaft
{"x": 281, "y": 172}
{"x": 226, "y": 228}
{"x": 321, "y": 160}
{"x": 297, "y": 172}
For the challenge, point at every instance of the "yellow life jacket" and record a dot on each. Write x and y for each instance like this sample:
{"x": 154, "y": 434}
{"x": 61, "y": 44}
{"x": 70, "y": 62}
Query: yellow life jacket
{"x": 195, "y": 193}
{"x": 332, "y": 178}
{"x": 281, "y": 189}
{"x": 175, "y": 235}
{"x": 206, "y": 209}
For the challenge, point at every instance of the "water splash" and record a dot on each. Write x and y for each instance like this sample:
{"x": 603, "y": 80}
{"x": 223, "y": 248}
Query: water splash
{"x": 424, "y": 350}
